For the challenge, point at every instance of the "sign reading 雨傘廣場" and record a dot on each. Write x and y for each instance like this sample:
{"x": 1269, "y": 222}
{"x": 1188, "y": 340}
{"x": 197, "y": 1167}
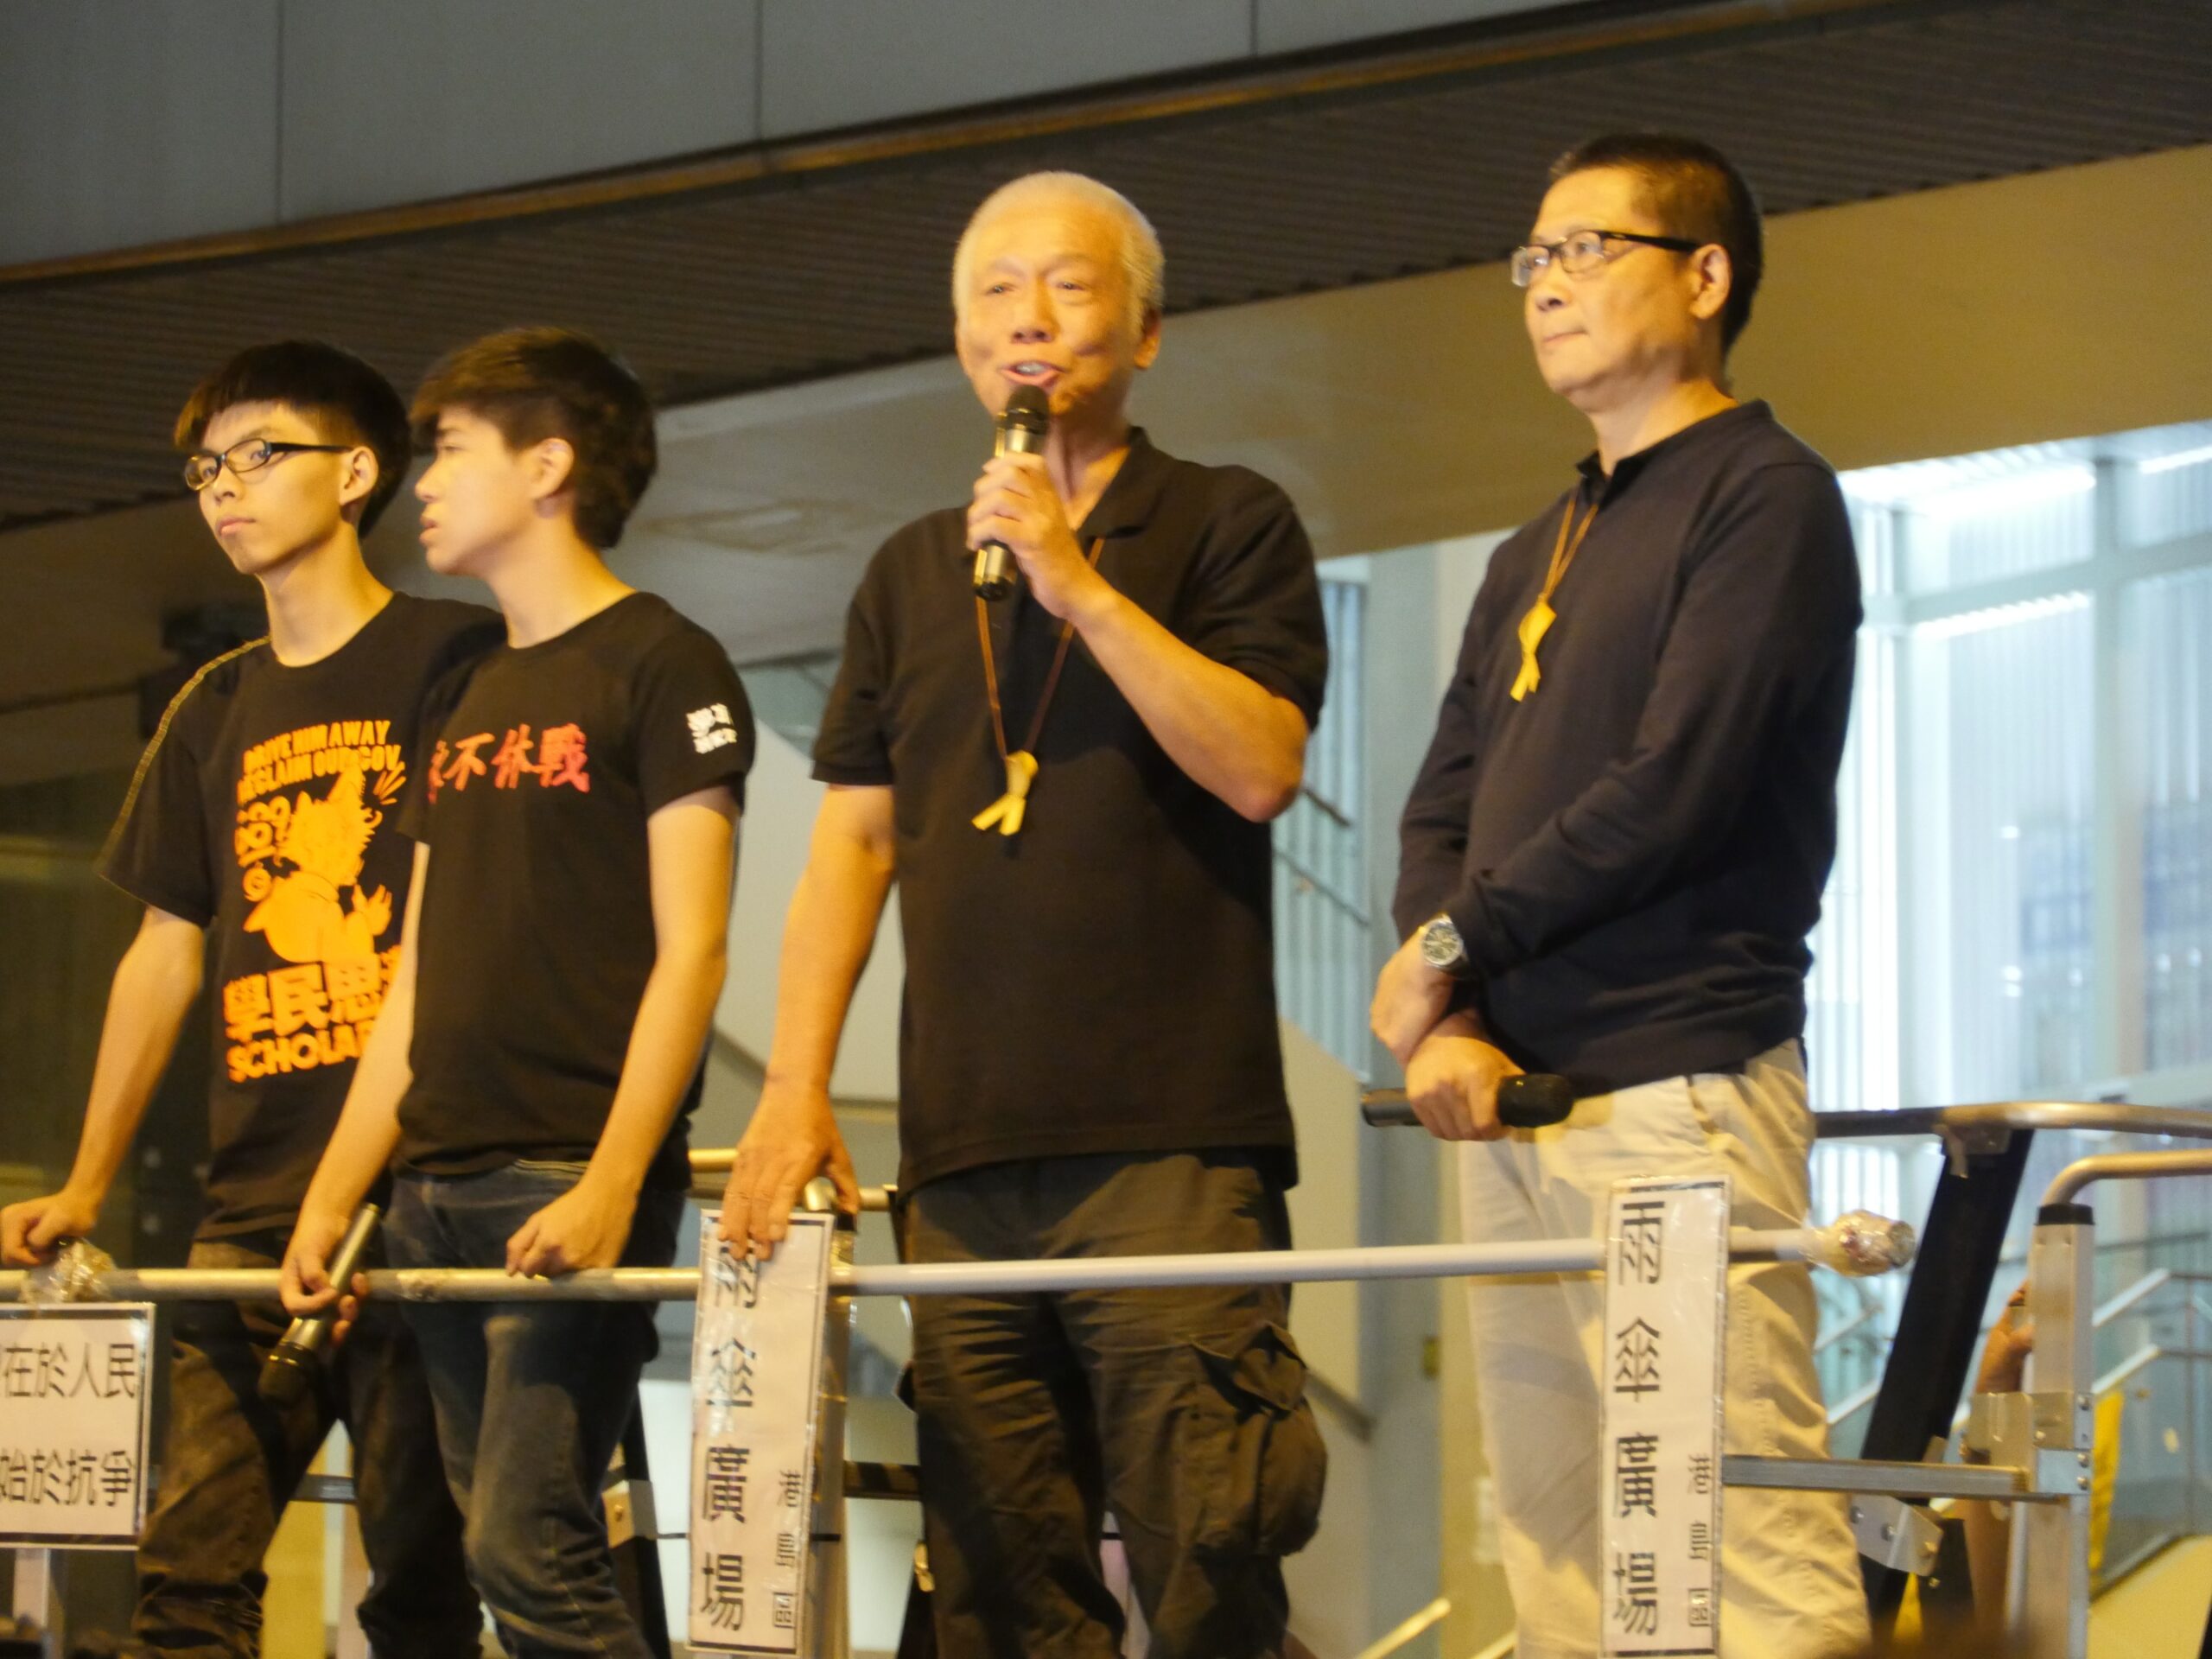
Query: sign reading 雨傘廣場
{"x": 756, "y": 1365}
{"x": 1659, "y": 1451}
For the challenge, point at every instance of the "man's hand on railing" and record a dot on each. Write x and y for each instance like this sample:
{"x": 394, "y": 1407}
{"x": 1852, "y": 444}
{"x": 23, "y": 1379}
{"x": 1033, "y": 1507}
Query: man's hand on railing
{"x": 586, "y": 1227}
{"x": 791, "y": 1139}
{"x": 30, "y": 1231}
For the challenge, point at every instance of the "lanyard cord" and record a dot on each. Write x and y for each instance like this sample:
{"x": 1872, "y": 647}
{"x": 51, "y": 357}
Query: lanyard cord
{"x": 1005, "y": 813}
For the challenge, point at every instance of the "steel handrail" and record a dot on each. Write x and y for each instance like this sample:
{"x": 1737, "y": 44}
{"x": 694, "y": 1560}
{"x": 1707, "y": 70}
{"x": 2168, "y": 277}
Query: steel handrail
{"x": 1394, "y": 1640}
{"x": 1824, "y": 1246}
{"x": 2151, "y": 1282}
{"x": 2127, "y": 1166}
{"x": 2184, "y": 1122}
{"x": 709, "y": 1164}
{"x": 2143, "y": 1357}
{"x": 1387, "y": 1108}
{"x": 1865, "y": 1316}
{"x": 1854, "y": 1403}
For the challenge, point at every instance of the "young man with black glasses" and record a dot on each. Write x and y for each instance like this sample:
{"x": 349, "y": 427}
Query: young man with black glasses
{"x": 258, "y": 835}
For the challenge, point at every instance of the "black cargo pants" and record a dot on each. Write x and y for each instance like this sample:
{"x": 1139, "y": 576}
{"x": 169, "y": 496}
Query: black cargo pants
{"x": 1180, "y": 1410}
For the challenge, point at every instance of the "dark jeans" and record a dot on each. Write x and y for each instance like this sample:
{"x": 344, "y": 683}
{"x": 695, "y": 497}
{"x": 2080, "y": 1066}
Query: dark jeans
{"x": 533, "y": 1398}
{"x": 232, "y": 1461}
{"x": 1182, "y": 1411}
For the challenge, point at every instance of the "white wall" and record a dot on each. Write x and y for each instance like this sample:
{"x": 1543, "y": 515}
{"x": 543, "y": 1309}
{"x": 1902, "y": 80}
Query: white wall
{"x": 780, "y": 801}
{"x": 1324, "y": 1206}
{"x": 1450, "y": 573}
{"x": 129, "y": 122}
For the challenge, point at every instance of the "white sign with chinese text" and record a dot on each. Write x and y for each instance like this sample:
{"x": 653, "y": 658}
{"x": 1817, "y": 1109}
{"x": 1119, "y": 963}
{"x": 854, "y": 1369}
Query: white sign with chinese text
{"x": 1659, "y": 1454}
{"x": 756, "y": 1386}
{"x": 74, "y": 1424}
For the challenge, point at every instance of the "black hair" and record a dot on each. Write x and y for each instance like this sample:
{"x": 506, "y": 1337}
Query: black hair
{"x": 1695, "y": 192}
{"x": 534, "y": 384}
{"x": 341, "y": 396}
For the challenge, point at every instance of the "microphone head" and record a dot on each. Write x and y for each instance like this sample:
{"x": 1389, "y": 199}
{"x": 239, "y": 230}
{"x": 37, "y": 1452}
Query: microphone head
{"x": 1029, "y": 409}
{"x": 1535, "y": 1101}
{"x": 288, "y": 1374}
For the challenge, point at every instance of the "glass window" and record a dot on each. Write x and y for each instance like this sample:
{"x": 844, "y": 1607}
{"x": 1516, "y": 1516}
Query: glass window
{"x": 2166, "y": 702}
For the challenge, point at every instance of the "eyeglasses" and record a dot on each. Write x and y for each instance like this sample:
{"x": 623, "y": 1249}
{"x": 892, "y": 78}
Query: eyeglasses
{"x": 1583, "y": 252}
{"x": 203, "y": 467}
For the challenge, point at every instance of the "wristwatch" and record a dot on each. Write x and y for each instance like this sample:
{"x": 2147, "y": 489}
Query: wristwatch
{"x": 1442, "y": 948}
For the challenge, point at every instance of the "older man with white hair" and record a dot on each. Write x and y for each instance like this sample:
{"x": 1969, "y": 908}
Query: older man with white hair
{"x": 1073, "y": 786}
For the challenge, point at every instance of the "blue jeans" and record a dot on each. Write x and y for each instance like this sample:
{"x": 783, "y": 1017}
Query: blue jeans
{"x": 233, "y": 1461}
{"x": 532, "y": 1398}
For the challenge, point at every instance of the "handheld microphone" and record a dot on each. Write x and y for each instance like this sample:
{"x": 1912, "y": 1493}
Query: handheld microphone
{"x": 1535, "y": 1100}
{"x": 1021, "y": 428}
{"x": 293, "y": 1365}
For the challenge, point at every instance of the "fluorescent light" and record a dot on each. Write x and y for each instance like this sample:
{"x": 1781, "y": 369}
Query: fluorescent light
{"x": 2008, "y": 494}
{"x": 2179, "y": 457}
{"x": 2001, "y": 616}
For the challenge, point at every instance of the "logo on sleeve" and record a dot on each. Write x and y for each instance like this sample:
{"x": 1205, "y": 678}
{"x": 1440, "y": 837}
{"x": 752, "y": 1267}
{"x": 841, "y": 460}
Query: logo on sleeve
{"x": 711, "y": 727}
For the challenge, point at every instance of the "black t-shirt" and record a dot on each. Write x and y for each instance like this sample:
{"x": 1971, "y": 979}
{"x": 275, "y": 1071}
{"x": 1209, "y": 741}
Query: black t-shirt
{"x": 1634, "y": 852}
{"x": 1102, "y": 981}
{"x": 537, "y": 932}
{"x": 265, "y": 811}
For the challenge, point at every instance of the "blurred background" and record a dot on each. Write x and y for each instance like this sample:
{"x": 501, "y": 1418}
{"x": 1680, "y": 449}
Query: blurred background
{"x": 1984, "y": 303}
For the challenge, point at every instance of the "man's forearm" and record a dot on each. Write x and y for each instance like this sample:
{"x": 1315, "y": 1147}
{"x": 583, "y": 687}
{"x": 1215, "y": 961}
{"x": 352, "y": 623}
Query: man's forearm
{"x": 1229, "y": 734}
{"x": 828, "y": 934}
{"x": 153, "y": 991}
{"x": 368, "y": 1128}
{"x": 1433, "y": 829}
{"x": 665, "y": 1042}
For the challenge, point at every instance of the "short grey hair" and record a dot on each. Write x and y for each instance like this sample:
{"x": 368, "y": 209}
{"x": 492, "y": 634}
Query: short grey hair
{"x": 1144, "y": 267}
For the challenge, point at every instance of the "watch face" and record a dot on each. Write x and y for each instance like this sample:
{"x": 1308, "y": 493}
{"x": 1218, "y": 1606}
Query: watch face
{"x": 1440, "y": 945}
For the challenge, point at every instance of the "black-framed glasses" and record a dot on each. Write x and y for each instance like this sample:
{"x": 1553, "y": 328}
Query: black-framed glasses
{"x": 203, "y": 467}
{"x": 1583, "y": 252}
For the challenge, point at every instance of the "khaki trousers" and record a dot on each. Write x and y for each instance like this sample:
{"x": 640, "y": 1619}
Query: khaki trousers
{"x": 1790, "y": 1576}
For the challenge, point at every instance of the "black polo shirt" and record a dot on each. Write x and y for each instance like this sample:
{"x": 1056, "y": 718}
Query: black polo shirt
{"x": 1635, "y": 853}
{"x": 1103, "y": 982}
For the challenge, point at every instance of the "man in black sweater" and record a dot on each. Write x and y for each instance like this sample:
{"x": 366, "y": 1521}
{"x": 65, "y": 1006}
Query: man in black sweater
{"x": 1610, "y": 864}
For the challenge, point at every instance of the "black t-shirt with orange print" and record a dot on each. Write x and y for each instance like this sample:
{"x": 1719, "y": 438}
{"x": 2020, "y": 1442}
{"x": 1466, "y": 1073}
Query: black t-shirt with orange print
{"x": 265, "y": 811}
{"x": 535, "y": 937}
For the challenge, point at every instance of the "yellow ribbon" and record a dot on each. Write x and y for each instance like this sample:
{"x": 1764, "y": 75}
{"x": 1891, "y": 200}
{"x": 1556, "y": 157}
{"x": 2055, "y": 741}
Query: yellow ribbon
{"x": 1541, "y": 616}
{"x": 1531, "y": 632}
{"x": 1006, "y": 811}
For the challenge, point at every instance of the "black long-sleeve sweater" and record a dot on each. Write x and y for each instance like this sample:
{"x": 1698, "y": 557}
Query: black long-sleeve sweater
{"x": 1635, "y": 853}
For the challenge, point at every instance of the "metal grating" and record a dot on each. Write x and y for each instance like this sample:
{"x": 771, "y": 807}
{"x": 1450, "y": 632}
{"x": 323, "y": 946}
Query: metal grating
{"x": 728, "y": 288}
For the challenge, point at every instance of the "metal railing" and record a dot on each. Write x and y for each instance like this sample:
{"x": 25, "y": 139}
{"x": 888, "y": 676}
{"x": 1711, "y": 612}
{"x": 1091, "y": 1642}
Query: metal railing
{"x": 1861, "y": 1246}
{"x": 1820, "y": 1246}
{"x": 1939, "y": 1327}
{"x": 2039, "y": 1446}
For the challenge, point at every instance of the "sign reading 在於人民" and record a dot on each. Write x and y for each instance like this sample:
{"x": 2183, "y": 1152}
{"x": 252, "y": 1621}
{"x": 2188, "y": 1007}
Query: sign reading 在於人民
{"x": 74, "y": 1424}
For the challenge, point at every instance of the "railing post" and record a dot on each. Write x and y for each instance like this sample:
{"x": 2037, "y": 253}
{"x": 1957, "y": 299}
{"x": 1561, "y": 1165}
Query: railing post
{"x": 40, "y": 1578}
{"x": 2051, "y": 1612}
{"x": 1940, "y": 1321}
{"x": 2191, "y": 1422}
